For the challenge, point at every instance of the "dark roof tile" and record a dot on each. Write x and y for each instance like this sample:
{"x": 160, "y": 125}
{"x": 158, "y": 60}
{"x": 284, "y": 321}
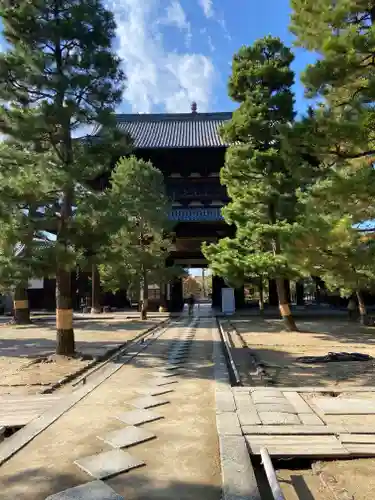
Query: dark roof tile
{"x": 186, "y": 130}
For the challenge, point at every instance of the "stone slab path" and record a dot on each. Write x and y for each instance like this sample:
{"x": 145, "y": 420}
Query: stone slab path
{"x": 181, "y": 461}
{"x": 307, "y": 422}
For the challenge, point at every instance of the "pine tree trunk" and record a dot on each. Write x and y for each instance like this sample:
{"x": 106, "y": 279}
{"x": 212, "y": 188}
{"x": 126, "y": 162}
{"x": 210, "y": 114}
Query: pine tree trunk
{"x": 285, "y": 312}
{"x": 21, "y": 305}
{"x": 95, "y": 290}
{"x": 362, "y": 308}
{"x": 144, "y": 296}
{"x": 64, "y": 311}
{"x": 261, "y": 296}
{"x": 64, "y": 314}
{"x": 21, "y": 299}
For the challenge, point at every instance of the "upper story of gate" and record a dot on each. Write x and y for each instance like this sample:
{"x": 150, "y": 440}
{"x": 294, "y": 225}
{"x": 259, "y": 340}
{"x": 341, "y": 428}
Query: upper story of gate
{"x": 188, "y": 149}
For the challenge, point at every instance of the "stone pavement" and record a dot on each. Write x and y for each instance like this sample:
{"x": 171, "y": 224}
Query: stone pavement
{"x": 170, "y": 451}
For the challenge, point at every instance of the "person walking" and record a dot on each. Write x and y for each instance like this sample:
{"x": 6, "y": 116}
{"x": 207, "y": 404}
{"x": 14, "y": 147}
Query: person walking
{"x": 191, "y": 303}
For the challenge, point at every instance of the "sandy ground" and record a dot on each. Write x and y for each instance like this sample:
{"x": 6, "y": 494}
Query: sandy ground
{"x": 27, "y": 362}
{"x": 278, "y": 350}
{"x": 182, "y": 462}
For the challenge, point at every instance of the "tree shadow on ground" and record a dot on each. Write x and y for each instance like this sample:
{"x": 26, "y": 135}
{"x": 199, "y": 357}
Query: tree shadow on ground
{"x": 281, "y": 368}
{"x": 37, "y": 483}
{"x": 37, "y": 346}
{"x": 338, "y": 329}
{"x": 279, "y": 363}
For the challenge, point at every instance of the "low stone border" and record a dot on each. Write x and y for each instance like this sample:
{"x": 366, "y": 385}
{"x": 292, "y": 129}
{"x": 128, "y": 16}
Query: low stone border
{"x": 238, "y": 477}
{"x": 99, "y": 359}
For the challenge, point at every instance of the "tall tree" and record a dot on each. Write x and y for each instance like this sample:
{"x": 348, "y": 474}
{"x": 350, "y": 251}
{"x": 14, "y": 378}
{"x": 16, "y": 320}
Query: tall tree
{"x": 27, "y": 202}
{"x": 138, "y": 251}
{"x": 58, "y": 74}
{"x": 258, "y": 180}
{"x": 342, "y": 33}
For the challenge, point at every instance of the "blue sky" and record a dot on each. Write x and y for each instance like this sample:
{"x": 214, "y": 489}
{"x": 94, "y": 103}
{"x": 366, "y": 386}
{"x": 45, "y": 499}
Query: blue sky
{"x": 177, "y": 51}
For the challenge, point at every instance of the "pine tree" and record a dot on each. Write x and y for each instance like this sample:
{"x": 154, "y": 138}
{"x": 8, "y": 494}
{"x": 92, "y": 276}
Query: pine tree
{"x": 27, "y": 201}
{"x": 329, "y": 244}
{"x": 58, "y": 74}
{"x": 258, "y": 180}
{"x": 342, "y": 33}
{"x": 341, "y": 133}
{"x": 138, "y": 251}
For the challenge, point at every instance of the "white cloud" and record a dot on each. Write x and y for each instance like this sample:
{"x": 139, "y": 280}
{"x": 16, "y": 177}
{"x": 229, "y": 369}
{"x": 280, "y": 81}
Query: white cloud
{"x": 156, "y": 77}
{"x": 211, "y": 44}
{"x": 175, "y": 16}
{"x": 207, "y": 7}
{"x": 223, "y": 24}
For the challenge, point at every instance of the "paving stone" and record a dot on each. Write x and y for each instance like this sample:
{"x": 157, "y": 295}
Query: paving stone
{"x": 180, "y": 352}
{"x": 164, "y": 374}
{"x": 277, "y": 407}
{"x": 278, "y": 418}
{"x": 138, "y": 417}
{"x": 249, "y": 417}
{"x": 154, "y": 391}
{"x": 94, "y": 490}
{"x": 225, "y": 401}
{"x": 266, "y": 392}
{"x": 108, "y": 463}
{"x": 228, "y": 424}
{"x": 177, "y": 358}
{"x": 177, "y": 361}
{"x": 163, "y": 381}
{"x": 128, "y": 436}
{"x": 239, "y": 482}
{"x": 148, "y": 402}
{"x": 260, "y": 399}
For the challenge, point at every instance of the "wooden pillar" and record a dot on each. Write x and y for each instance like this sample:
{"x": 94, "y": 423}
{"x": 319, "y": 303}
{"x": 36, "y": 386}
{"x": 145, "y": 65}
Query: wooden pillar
{"x": 217, "y": 285}
{"x": 239, "y": 296}
{"x": 273, "y": 299}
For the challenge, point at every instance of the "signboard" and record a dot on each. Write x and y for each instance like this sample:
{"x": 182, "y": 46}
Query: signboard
{"x": 227, "y": 301}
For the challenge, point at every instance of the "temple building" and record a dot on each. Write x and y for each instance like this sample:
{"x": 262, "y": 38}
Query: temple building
{"x": 188, "y": 150}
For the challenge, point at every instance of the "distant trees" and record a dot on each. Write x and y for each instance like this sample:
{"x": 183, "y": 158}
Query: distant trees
{"x": 191, "y": 286}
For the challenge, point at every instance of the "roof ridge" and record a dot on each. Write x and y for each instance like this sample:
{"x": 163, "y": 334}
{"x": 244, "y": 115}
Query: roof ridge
{"x": 157, "y": 117}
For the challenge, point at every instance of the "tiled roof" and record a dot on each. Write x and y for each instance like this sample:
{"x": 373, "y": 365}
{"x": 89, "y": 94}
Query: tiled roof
{"x": 186, "y": 130}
